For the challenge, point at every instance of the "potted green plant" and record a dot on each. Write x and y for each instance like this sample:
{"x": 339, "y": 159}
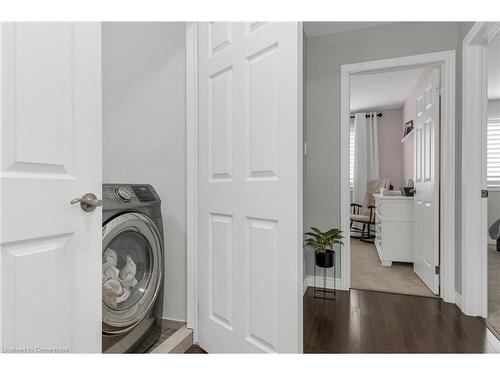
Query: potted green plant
{"x": 322, "y": 243}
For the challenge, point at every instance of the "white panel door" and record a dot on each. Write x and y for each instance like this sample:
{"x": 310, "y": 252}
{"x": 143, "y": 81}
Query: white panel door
{"x": 426, "y": 162}
{"x": 50, "y": 254}
{"x": 250, "y": 178}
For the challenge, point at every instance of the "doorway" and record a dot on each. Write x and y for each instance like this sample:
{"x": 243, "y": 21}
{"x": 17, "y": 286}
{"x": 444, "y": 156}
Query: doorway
{"x": 493, "y": 182}
{"x": 394, "y": 139}
{"x": 475, "y": 249}
{"x": 481, "y": 184}
{"x": 442, "y": 265}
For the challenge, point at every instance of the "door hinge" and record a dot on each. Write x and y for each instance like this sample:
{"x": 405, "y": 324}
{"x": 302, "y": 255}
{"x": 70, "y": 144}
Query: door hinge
{"x": 437, "y": 270}
{"x": 438, "y": 91}
{"x": 484, "y": 193}
{"x": 305, "y": 149}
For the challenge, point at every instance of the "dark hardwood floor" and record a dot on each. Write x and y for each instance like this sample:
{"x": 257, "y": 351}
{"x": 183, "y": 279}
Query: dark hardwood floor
{"x": 195, "y": 349}
{"x": 361, "y": 321}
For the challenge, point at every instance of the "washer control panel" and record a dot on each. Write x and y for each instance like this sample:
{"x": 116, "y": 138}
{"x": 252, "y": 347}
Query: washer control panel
{"x": 122, "y": 194}
{"x": 144, "y": 194}
{"x": 130, "y": 194}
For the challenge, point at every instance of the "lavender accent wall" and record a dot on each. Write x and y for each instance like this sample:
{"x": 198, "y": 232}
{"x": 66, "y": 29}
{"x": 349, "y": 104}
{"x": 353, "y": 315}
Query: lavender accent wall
{"x": 407, "y": 159}
{"x": 390, "y": 148}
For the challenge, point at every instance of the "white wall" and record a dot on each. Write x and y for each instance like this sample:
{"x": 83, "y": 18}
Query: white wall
{"x": 144, "y": 130}
{"x": 325, "y": 55}
{"x": 494, "y": 108}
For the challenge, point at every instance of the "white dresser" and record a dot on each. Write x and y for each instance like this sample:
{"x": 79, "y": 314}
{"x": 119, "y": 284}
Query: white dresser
{"x": 394, "y": 229}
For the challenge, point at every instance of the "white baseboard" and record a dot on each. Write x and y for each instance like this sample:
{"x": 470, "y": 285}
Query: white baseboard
{"x": 309, "y": 281}
{"x": 492, "y": 343}
{"x": 491, "y": 242}
{"x": 458, "y": 300}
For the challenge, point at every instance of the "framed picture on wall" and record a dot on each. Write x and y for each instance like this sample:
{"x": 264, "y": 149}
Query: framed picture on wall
{"x": 408, "y": 127}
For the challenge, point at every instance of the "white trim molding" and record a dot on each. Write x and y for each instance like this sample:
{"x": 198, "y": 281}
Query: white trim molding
{"x": 309, "y": 281}
{"x": 458, "y": 300}
{"x": 474, "y": 208}
{"x": 192, "y": 177}
{"x": 446, "y": 61}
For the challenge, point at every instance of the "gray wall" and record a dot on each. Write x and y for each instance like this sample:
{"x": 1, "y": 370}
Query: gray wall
{"x": 144, "y": 130}
{"x": 325, "y": 55}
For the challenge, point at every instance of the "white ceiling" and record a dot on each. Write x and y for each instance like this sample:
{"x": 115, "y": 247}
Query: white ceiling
{"x": 494, "y": 68}
{"x": 379, "y": 91}
{"x": 313, "y": 29}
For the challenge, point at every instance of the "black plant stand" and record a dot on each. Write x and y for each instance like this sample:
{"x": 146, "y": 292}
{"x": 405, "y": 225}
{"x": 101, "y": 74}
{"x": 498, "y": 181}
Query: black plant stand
{"x": 325, "y": 293}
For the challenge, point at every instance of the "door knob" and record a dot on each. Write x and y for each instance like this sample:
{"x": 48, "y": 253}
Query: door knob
{"x": 88, "y": 202}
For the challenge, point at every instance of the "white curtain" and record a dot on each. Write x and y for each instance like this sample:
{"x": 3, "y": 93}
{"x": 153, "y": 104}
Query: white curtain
{"x": 365, "y": 154}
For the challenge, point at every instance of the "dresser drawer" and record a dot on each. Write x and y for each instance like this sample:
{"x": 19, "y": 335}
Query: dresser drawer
{"x": 396, "y": 210}
{"x": 394, "y": 229}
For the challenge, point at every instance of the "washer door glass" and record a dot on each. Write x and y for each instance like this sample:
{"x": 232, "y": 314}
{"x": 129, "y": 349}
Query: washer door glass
{"x": 131, "y": 270}
{"x": 126, "y": 270}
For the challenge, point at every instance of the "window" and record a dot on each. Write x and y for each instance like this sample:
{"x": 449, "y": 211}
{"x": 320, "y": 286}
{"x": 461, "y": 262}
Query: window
{"x": 493, "y": 152}
{"x": 351, "y": 154}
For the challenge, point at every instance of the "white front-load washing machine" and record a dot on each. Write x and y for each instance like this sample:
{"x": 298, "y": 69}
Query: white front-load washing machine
{"x": 132, "y": 268}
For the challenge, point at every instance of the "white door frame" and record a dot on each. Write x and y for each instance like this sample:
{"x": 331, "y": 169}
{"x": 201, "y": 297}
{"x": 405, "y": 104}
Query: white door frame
{"x": 192, "y": 177}
{"x": 474, "y": 209}
{"x": 446, "y": 61}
